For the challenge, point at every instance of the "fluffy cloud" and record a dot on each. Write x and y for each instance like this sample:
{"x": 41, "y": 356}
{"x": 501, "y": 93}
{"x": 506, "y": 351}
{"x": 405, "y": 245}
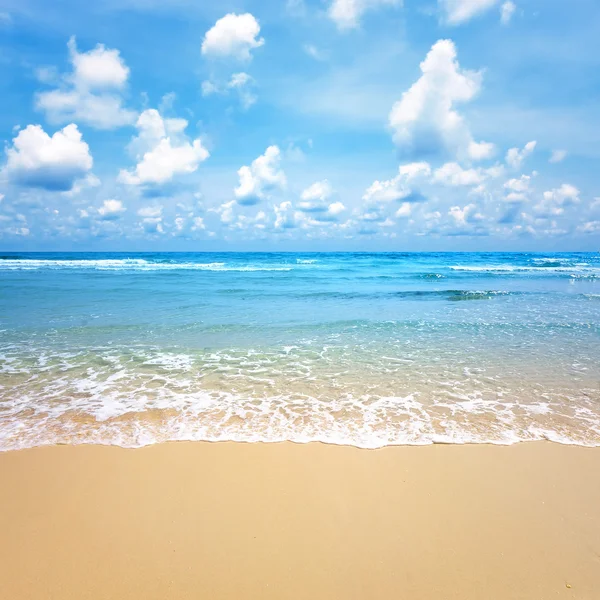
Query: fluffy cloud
{"x": 506, "y": 12}
{"x": 111, "y": 210}
{"x": 314, "y": 198}
{"x": 558, "y": 156}
{"x": 52, "y": 163}
{"x": 460, "y": 11}
{"x": 162, "y": 150}
{"x": 555, "y": 200}
{"x": 399, "y": 187}
{"x": 89, "y": 181}
{"x": 515, "y": 157}
{"x": 263, "y": 175}
{"x": 240, "y": 83}
{"x": 285, "y": 216}
{"x": 465, "y": 215}
{"x": 424, "y": 120}
{"x": 91, "y": 93}
{"x": 452, "y": 174}
{"x": 518, "y": 185}
{"x": 347, "y": 13}
{"x": 233, "y": 36}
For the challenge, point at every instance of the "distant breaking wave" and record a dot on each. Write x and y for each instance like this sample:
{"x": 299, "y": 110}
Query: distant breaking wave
{"x": 129, "y": 264}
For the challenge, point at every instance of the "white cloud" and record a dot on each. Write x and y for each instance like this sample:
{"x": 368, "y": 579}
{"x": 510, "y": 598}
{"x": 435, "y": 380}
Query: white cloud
{"x": 209, "y": 88}
{"x": 397, "y": 188}
{"x": 506, "y": 12}
{"x": 452, "y": 174}
{"x": 465, "y": 215}
{"x": 558, "y": 156}
{"x": 481, "y": 150}
{"x": 262, "y": 175}
{"x": 461, "y": 11}
{"x": 314, "y": 197}
{"x": 225, "y": 211}
{"x": 240, "y": 83}
{"x": 89, "y": 181}
{"x": 285, "y": 216}
{"x": 347, "y": 13}
{"x": 336, "y": 208}
{"x": 98, "y": 68}
{"x": 518, "y": 185}
{"x": 515, "y": 157}
{"x": 233, "y": 36}
{"x": 91, "y": 93}
{"x": 150, "y": 212}
{"x": 111, "y": 210}
{"x": 162, "y": 150}
{"x": 404, "y": 211}
{"x": 425, "y": 119}
{"x": 590, "y": 227}
{"x": 555, "y": 200}
{"x": 52, "y": 163}
{"x": 152, "y": 219}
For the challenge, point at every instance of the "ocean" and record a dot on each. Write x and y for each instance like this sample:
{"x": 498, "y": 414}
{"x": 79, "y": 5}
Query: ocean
{"x": 361, "y": 349}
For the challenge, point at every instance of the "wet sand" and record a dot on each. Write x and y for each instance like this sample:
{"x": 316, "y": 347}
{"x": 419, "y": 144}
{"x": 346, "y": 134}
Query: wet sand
{"x": 285, "y": 521}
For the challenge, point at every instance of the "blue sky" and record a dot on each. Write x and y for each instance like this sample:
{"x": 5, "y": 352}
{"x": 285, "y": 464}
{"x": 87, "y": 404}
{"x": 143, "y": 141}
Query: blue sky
{"x": 300, "y": 125}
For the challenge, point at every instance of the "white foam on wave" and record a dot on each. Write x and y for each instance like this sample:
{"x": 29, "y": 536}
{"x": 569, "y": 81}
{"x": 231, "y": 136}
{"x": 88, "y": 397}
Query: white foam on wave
{"x": 129, "y": 264}
{"x": 153, "y": 396}
{"x": 584, "y": 268}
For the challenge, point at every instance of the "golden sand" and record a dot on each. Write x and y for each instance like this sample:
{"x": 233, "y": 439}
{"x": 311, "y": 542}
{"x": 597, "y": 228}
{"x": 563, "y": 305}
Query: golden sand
{"x": 284, "y": 521}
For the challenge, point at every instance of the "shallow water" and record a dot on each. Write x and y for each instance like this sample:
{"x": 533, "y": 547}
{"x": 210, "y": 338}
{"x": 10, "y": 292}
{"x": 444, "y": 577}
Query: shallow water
{"x": 362, "y": 349}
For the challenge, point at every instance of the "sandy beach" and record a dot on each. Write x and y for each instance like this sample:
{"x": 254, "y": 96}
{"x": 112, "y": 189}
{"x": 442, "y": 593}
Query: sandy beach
{"x": 201, "y": 520}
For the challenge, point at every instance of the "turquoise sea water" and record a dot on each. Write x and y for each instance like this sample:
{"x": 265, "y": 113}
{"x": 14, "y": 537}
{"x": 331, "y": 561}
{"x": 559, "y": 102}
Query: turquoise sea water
{"x": 362, "y": 349}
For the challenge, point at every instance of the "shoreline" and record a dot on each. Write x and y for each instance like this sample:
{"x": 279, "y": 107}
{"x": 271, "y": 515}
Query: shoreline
{"x": 295, "y": 520}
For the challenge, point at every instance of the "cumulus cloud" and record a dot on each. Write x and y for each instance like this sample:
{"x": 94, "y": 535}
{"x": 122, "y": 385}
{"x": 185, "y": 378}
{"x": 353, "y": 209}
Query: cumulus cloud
{"x": 425, "y": 120}
{"x": 347, "y": 13}
{"x": 518, "y": 185}
{"x": 233, "y": 36}
{"x": 92, "y": 92}
{"x": 152, "y": 218}
{"x": 558, "y": 156}
{"x": 285, "y": 216}
{"x": 162, "y": 150}
{"x": 263, "y": 175}
{"x": 555, "y": 200}
{"x": 52, "y": 163}
{"x": 398, "y": 188}
{"x": 506, "y": 12}
{"x": 111, "y": 210}
{"x": 314, "y": 198}
{"x": 515, "y": 156}
{"x": 465, "y": 215}
{"x": 457, "y": 12}
{"x": 452, "y": 174}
